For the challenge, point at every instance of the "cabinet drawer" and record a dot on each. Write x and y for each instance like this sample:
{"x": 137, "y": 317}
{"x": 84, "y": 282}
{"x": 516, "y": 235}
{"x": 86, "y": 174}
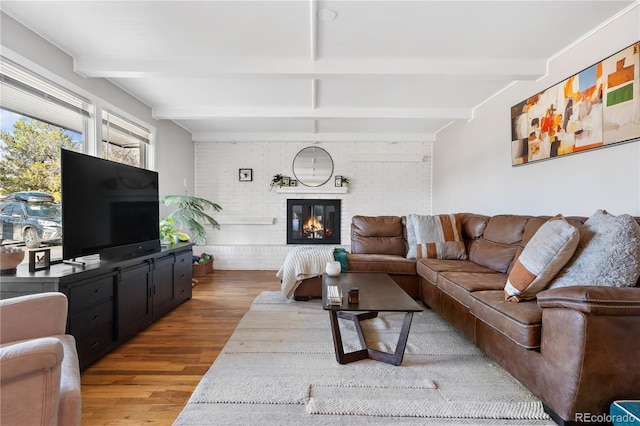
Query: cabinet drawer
{"x": 90, "y": 294}
{"x": 182, "y": 276}
{"x": 184, "y": 262}
{"x": 93, "y": 346}
{"x": 85, "y": 322}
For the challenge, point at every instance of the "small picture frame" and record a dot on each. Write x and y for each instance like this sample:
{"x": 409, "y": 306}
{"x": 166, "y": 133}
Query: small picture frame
{"x": 293, "y": 182}
{"x": 286, "y": 181}
{"x": 338, "y": 180}
{"x": 245, "y": 175}
{"x": 39, "y": 260}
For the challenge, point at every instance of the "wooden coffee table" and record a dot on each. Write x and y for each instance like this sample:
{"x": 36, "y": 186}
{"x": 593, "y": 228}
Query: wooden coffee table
{"x": 378, "y": 293}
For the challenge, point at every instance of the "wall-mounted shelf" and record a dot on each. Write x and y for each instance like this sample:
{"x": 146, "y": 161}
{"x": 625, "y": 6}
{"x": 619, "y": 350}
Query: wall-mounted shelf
{"x": 241, "y": 220}
{"x": 311, "y": 190}
{"x": 383, "y": 158}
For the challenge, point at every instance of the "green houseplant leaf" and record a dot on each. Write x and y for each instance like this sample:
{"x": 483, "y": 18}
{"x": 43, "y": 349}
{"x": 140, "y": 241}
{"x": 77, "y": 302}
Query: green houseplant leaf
{"x": 191, "y": 215}
{"x": 167, "y": 229}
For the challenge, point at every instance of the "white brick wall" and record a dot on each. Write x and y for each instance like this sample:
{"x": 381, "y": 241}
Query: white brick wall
{"x": 375, "y": 188}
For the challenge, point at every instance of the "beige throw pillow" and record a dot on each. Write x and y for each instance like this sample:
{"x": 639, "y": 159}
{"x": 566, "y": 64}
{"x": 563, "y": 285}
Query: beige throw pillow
{"x": 550, "y": 248}
{"x": 439, "y": 236}
{"x": 608, "y": 254}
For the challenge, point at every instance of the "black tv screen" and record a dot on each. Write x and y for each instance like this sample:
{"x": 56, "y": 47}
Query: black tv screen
{"x": 108, "y": 208}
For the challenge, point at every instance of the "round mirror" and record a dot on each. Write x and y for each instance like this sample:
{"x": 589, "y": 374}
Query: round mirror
{"x": 313, "y": 166}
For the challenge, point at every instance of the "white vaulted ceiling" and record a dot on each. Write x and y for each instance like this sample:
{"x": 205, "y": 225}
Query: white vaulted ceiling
{"x": 313, "y": 70}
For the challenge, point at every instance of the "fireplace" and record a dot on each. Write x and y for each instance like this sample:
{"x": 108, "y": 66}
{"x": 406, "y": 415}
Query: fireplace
{"x": 313, "y": 221}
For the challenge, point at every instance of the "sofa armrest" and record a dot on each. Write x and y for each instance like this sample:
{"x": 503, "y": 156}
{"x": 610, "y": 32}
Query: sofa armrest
{"x": 593, "y": 300}
{"x": 25, "y": 358}
{"x": 33, "y": 316}
{"x": 30, "y": 381}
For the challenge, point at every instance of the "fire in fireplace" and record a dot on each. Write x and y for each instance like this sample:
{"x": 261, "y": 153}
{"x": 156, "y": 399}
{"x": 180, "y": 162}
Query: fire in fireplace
{"x": 313, "y": 221}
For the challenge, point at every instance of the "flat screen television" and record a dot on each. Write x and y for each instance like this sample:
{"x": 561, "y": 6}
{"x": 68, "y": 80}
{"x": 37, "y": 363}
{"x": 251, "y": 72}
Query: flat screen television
{"x": 108, "y": 208}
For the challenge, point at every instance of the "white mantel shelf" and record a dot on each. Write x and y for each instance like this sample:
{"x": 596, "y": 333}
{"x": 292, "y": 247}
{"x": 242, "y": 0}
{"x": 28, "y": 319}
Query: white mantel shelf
{"x": 311, "y": 190}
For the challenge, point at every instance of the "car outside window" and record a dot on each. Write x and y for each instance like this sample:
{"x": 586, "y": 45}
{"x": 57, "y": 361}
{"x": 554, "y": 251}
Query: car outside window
{"x": 44, "y": 210}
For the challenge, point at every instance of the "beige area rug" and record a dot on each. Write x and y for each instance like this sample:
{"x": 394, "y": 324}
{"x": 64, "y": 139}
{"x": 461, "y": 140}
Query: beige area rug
{"x": 279, "y": 368}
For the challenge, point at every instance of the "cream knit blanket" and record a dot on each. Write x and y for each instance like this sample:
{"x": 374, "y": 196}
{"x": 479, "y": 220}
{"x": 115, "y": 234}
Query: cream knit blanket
{"x": 303, "y": 262}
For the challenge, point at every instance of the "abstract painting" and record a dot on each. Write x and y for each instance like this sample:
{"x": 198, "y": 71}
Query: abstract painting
{"x": 595, "y": 108}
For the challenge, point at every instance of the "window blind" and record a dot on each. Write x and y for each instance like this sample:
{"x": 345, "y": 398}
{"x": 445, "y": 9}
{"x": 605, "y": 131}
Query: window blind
{"x": 26, "y": 93}
{"x": 122, "y": 132}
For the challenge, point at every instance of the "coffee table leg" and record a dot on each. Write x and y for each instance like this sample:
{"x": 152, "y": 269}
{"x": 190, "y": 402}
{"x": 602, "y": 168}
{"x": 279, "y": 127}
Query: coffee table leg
{"x": 341, "y": 357}
{"x": 356, "y": 318}
{"x": 394, "y": 358}
{"x": 398, "y": 355}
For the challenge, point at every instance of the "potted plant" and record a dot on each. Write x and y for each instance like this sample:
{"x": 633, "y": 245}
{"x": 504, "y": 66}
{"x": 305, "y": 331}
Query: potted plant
{"x": 345, "y": 181}
{"x": 189, "y": 216}
{"x": 168, "y": 231}
{"x": 276, "y": 180}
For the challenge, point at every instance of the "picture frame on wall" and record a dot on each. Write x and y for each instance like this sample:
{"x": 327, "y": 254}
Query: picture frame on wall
{"x": 338, "y": 180}
{"x": 245, "y": 175}
{"x": 595, "y": 108}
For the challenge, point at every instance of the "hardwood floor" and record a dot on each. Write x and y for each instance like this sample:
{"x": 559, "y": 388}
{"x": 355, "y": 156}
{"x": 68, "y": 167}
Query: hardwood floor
{"x": 149, "y": 379}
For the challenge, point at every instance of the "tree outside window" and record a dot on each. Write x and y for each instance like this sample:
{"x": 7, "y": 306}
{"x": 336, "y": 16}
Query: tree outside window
{"x": 30, "y": 156}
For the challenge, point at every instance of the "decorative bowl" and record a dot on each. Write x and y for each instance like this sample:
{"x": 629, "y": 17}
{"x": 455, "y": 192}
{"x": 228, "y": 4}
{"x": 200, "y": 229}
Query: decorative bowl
{"x": 333, "y": 268}
{"x": 10, "y": 258}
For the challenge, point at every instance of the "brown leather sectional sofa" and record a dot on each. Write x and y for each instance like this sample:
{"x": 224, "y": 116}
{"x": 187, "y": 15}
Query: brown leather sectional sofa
{"x": 576, "y": 348}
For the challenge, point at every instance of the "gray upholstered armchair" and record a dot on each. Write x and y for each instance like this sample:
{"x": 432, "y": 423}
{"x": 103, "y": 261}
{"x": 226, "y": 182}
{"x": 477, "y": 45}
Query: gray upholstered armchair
{"x": 39, "y": 373}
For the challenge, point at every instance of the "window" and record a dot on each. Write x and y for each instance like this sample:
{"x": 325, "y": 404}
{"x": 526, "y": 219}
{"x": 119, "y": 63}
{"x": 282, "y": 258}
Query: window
{"x": 124, "y": 141}
{"x": 25, "y": 94}
{"x": 38, "y": 117}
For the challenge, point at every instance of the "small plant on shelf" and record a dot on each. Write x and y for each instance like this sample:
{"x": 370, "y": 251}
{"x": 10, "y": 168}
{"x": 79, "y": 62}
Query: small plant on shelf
{"x": 168, "y": 231}
{"x": 276, "y": 180}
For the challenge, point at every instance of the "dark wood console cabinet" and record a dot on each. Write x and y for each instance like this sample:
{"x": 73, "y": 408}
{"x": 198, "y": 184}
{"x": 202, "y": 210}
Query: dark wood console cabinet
{"x": 111, "y": 301}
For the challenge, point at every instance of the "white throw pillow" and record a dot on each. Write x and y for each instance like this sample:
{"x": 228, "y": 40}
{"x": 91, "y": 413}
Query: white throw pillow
{"x": 608, "y": 253}
{"x": 550, "y": 248}
{"x": 411, "y": 237}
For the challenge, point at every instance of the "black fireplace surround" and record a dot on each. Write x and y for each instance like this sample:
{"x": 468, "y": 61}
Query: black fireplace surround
{"x": 313, "y": 221}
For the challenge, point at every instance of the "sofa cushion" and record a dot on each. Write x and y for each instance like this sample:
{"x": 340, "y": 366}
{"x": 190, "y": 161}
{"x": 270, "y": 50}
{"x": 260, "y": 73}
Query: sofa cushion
{"x": 460, "y": 285}
{"x": 608, "y": 253}
{"x": 519, "y": 322}
{"x": 378, "y": 235}
{"x": 542, "y": 258}
{"x": 498, "y": 245}
{"x": 534, "y": 223}
{"x": 430, "y": 268}
{"x": 532, "y": 227}
{"x": 438, "y": 236}
{"x": 492, "y": 255}
{"x": 505, "y": 229}
{"x": 473, "y": 225}
{"x": 381, "y": 263}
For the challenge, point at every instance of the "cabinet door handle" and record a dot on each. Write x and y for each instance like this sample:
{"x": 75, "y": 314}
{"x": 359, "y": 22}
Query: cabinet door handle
{"x": 95, "y": 318}
{"x": 93, "y": 344}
